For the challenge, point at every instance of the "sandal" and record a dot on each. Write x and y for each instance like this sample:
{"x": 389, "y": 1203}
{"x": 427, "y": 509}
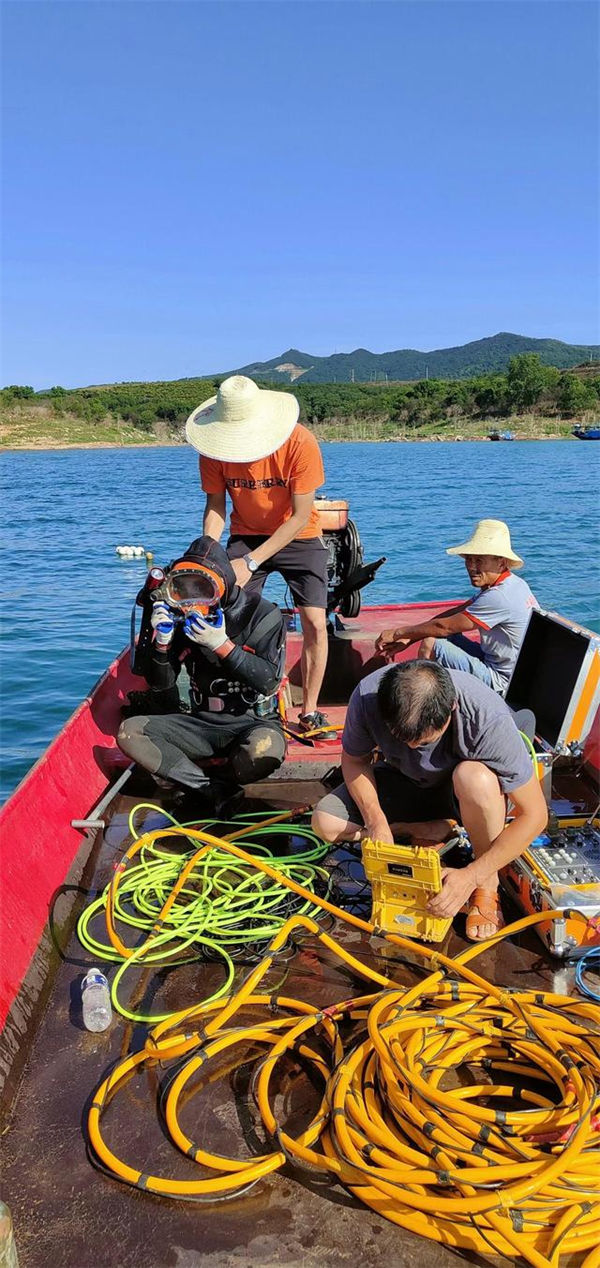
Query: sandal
{"x": 314, "y": 724}
{"x": 483, "y": 908}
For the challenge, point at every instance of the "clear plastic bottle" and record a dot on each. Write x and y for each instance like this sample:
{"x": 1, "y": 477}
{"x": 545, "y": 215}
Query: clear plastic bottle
{"x": 8, "y": 1250}
{"x": 95, "y": 1001}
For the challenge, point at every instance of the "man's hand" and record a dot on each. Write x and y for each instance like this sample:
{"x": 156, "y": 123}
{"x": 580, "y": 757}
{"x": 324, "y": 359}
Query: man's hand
{"x": 242, "y": 571}
{"x": 458, "y": 885}
{"x": 377, "y": 828}
{"x": 391, "y": 641}
{"x": 208, "y": 634}
{"x": 163, "y": 624}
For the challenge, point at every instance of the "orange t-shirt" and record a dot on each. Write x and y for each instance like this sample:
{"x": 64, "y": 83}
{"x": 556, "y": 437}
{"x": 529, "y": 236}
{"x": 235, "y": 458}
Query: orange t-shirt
{"x": 261, "y": 491}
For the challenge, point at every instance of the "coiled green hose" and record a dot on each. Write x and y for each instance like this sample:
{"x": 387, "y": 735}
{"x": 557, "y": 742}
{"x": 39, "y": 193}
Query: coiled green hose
{"x": 226, "y": 910}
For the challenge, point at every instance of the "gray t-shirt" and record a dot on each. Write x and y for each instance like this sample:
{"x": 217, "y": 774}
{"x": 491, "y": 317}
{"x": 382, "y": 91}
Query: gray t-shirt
{"x": 501, "y": 613}
{"x": 481, "y": 730}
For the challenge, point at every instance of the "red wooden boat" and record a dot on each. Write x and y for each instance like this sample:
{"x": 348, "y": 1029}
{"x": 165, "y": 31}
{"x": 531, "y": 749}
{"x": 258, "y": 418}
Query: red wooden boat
{"x": 63, "y": 831}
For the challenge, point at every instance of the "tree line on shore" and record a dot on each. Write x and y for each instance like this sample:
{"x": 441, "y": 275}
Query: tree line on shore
{"x": 527, "y": 386}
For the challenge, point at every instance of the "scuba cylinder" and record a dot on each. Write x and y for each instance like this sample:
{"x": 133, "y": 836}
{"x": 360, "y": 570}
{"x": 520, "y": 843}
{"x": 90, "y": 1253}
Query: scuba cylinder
{"x": 140, "y": 643}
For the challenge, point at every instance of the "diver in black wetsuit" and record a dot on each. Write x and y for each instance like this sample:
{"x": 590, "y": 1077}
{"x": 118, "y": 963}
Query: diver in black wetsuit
{"x": 232, "y": 645}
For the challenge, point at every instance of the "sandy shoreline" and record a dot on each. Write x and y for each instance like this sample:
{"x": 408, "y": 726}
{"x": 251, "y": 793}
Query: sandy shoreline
{"x": 93, "y": 444}
{"x": 364, "y": 440}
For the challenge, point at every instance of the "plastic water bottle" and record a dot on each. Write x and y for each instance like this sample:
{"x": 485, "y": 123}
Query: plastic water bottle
{"x": 8, "y": 1250}
{"x": 95, "y": 1001}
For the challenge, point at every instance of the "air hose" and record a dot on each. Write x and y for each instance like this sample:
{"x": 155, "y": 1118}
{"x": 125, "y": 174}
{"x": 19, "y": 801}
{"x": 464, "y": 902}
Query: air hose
{"x": 460, "y": 1110}
{"x": 225, "y": 907}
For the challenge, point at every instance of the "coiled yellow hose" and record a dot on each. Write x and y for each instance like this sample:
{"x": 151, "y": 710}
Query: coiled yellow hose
{"x": 407, "y": 1120}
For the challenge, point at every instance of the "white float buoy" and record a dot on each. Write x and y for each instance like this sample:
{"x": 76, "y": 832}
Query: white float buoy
{"x": 130, "y": 552}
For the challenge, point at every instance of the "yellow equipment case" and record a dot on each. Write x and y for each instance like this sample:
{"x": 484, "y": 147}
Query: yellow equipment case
{"x": 402, "y": 879}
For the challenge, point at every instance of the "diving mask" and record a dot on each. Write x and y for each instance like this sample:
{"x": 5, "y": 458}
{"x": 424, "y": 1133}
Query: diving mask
{"x": 193, "y": 587}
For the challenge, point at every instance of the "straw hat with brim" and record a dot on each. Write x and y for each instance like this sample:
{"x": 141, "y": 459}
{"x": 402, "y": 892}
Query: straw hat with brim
{"x": 491, "y": 537}
{"x": 242, "y": 422}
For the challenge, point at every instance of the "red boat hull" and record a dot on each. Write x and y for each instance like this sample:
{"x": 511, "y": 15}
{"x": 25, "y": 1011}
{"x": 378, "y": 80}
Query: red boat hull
{"x": 39, "y": 843}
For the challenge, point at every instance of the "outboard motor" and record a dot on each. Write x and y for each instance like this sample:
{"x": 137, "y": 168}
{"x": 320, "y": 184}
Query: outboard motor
{"x": 348, "y": 573}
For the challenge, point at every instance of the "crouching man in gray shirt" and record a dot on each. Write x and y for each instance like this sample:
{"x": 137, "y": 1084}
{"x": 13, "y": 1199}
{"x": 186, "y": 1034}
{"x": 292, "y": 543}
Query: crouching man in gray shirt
{"x": 450, "y": 749}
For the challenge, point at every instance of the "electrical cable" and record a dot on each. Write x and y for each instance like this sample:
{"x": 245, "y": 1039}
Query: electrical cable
{"x": 415, "y": 1081}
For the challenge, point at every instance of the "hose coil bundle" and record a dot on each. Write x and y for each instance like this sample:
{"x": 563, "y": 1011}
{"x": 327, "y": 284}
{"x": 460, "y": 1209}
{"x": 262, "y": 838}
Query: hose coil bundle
{"x": 217, "y": 908}
{"x": 459, "y": 1110}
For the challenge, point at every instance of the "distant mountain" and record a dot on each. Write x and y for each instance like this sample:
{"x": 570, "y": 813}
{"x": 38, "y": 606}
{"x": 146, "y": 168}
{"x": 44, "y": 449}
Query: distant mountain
{"x": 362, "y": 366}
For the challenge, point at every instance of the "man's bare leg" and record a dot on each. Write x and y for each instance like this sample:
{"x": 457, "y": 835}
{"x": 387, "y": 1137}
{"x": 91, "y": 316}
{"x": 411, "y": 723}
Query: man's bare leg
{"x": 330, "y": 828}
{"x": 482, "y": 813}
{"x": 314, "y": 655}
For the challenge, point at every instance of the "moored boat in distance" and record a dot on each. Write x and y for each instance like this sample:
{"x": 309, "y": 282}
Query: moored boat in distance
{"x": 587, "y": 433}
{"x": 501, "y": 435}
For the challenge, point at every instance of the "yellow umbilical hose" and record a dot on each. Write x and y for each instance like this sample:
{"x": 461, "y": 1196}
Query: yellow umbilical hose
{"x": 509, "y": 1166}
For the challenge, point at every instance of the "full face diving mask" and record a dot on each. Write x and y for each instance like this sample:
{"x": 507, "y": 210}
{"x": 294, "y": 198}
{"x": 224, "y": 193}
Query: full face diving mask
{"x": 193, "y": 587}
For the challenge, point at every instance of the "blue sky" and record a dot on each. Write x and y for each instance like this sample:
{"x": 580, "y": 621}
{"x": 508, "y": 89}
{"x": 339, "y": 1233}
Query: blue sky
{"x": 191, "y": 186}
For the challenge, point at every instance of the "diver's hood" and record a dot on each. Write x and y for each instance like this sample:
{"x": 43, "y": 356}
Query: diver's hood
{"x": 238, "y": 606}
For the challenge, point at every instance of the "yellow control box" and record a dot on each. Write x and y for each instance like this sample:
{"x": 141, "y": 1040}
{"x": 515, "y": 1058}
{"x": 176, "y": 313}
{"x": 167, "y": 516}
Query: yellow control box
{"x": 403, "y": 878}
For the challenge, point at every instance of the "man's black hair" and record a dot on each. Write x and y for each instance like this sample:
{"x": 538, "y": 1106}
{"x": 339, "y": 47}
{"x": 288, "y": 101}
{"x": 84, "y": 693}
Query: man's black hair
{"x": 415, "y": 698}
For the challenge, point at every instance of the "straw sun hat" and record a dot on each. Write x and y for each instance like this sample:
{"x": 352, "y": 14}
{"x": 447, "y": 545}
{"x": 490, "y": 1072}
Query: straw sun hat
{"x": 242, "y": 422}
{"x": 491, "y": 537}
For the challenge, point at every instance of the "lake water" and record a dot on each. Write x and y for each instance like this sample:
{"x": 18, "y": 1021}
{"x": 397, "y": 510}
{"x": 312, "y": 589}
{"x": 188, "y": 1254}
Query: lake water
{"x": 68, "y": 596}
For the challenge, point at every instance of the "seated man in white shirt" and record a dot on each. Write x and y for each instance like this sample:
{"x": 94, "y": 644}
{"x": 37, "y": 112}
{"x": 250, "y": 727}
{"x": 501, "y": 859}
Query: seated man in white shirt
{"x": 500, "y": 611}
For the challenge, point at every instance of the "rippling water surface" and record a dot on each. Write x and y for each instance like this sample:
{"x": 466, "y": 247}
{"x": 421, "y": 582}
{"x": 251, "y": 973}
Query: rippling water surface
{"x": 68, "y": 596}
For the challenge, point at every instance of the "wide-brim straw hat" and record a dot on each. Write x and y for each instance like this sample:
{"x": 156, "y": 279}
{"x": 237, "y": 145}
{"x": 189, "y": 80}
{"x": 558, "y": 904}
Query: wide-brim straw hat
{"x": 243, "y": 422}
{"x": 491, "y": 537}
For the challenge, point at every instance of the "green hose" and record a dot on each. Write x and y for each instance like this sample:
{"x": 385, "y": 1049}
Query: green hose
{"x": 225, "y": 910}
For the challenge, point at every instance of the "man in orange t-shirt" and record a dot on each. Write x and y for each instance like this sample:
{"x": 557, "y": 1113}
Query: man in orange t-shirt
{"x": 253, "y": 448}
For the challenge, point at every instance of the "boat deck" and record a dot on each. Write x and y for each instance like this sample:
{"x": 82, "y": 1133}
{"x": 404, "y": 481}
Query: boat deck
{"x": 68, "y": 1214}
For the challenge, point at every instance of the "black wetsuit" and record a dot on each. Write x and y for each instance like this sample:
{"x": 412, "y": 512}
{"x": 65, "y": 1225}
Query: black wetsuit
{"x": 233, "y": 698}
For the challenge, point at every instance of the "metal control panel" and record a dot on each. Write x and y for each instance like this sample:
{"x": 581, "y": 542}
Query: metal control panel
{"x": 561, "y": 871}
{"x": 570, "y": 856}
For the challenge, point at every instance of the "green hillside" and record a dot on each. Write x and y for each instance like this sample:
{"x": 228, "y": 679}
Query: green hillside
{"x": 532, "y": 398}
{"x": 484, "y": 356}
